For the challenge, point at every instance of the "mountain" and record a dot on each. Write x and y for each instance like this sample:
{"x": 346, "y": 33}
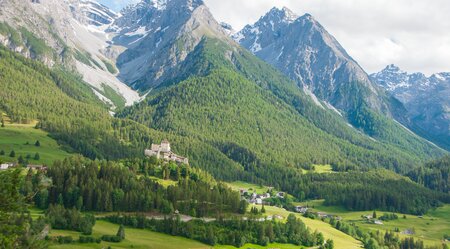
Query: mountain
{"x": 205, "y": 85}
{"x": 426, "y": 99}
{"x": 304, "y": 51}
{"x": 158, "y": 36}
{"x": 70, "y": 33}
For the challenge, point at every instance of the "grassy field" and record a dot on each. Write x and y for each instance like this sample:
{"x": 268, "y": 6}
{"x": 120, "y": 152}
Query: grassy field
{"x": 140, "y": 238}
{"x": 430, "y": 228}
{"x": 318, "y": 168}
{"x": 237, "y": 185}
{"x": 16, "y": 136}
{"x": 164, "y": 183}
{"x": 341, "y": 240}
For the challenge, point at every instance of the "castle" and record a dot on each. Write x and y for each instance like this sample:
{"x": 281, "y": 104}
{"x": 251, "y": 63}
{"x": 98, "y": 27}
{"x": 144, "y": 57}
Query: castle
{"x": 163, "y": 151}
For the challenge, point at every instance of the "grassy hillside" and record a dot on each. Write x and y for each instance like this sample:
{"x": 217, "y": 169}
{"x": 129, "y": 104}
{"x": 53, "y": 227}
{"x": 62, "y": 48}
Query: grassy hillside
{"x": 22, "y": 139}
{"x": 140, "y": 238}
{"x": 341, "y": 240}
{"x": 253, "y": 114}
{"x": 430, "y": 228}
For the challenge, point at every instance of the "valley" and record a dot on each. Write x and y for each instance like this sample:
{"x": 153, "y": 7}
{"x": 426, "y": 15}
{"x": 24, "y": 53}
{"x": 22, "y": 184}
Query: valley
{"x": 161, "y": 127}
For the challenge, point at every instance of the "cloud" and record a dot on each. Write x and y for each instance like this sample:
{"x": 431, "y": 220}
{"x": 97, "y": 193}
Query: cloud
{"x": 414, "y": 34}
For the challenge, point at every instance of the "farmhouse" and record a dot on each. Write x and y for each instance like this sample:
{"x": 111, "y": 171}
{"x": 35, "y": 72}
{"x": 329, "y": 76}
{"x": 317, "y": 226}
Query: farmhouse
{"x": 163, "y": 151}
{"x": 37, "y": 167}
{"x": 5, "y": 166}
{"x": 301, "y": 209}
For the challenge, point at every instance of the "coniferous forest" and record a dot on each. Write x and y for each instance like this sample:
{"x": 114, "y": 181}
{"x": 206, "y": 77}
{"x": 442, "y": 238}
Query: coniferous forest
{"x": 237, "y": 119}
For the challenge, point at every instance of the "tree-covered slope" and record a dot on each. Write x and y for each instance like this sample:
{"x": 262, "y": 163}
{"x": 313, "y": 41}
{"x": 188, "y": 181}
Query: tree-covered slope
{"x": 228, "y": 98}
{"x": 68, "y": 109}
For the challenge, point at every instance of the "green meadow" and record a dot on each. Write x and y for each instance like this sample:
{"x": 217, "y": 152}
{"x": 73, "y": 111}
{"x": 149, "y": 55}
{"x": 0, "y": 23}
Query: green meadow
{"x": 259, "y": 189}
{"x": 22, "y": 139}
{"x": 141, "y": 238}
{"x": 341, "y": 240}
{"x": 430, "y": 228}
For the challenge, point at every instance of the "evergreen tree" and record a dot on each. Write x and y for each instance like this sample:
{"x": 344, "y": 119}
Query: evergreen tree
{"x": 263, "y": 209}
{"x": 3, "y": 123}
{"x": 2, "y": 152}
{"x": 210, "y": 237}
{"x": 121, "y": 232}
{"x": 12, "y": 154}
{"x": 21, "y": 160}
{"x": 374, "y": 215}
{"x": 37, "y": 157}
{"x": 37, "y": 144}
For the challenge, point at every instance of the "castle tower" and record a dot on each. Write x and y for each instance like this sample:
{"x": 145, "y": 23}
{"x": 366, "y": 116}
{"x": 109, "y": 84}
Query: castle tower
{"x": 165, "y": 146}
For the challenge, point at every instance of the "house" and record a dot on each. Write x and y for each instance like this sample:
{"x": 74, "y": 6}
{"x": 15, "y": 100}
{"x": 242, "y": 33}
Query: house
{"x": 368, "y": 217}
{"x": 280, "y": 194}
{"x": 301, "y": 209}
{"x": 163, "y": 151}
{"x": 5, "y": 166}
{"x": 378, "y": 222}
{"x": 258, "y": 201}
{"x": 322, "y": 215}
{"x": 37, "y": 167}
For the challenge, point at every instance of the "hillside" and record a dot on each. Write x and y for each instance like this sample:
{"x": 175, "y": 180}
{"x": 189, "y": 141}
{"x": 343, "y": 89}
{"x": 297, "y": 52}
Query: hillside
{"x": 250, "y": 112}
{"x": 22, "y": 138}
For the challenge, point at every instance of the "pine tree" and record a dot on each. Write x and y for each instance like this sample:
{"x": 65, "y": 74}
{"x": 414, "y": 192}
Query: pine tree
{"x": 121, "y": 232}
{"x": 37, "y": 157}
{"x": 3, "y": 123}
{"x": 37, "y": 144}
{"x": 263, "y": 209}
{"x": 2, "y": 153}
{"x": 12, "y": 154}
{"x": 374, "y": 215}
{"x": 21, "y": 160}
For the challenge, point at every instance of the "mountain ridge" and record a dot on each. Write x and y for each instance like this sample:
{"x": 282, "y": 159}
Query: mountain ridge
{"x": 426, "y": 99}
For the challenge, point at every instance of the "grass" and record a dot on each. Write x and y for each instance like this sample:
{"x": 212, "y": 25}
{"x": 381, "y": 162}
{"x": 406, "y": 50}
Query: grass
{"x": 430, "y": 228}
{"x": 141, "y": 238}
{"x": 15, "y": 136}
{"x": 319, "y": 168}
{"x": 164, "y": 183}
{"x": 115, "y": 97}
{"x": 135, "y": 238}
{"x": 237, "y": 185}
{"x": 341, "y": 240}
{"x": 271, "y": 245}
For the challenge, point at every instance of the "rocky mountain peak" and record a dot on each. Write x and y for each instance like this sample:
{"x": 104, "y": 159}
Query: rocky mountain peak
{"x": 302, "y": 48}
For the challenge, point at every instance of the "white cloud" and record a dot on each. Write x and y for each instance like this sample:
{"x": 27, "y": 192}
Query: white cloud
{"x": 414, "y": 34}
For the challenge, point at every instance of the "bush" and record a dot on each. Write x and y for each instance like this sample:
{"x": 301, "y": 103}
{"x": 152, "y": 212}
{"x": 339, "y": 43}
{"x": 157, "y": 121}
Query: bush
{"x": 111, "y": 238}
{"x": 64, "y": 239}
{"x": 89, "y": 239}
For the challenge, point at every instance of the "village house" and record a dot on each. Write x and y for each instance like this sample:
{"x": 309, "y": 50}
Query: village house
{"x": 301, "y": 209}
{"x": 5, "y": 166}
{"x": 163, "y": 151}
{"x": 37, "y": 167}
{"x": 280, "y": 194}
{"x": 378, "y": 222}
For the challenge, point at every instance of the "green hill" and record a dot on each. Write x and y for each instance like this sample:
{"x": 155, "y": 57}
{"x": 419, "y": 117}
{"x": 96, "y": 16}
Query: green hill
{"x": 22, "y": 138}
{"x": 254, "y": 115}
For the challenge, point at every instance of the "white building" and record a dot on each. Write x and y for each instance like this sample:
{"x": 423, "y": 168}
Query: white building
{"x": 5, "y": 166}
{"x": 163, "y": 151}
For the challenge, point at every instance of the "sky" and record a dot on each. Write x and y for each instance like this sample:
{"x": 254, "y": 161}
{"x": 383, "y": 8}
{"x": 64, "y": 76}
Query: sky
{"x": 413, "y": 34}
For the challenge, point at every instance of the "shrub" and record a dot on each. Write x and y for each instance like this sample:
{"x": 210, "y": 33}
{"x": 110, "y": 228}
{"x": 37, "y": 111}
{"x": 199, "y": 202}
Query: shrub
{"x": 111, "y": 238}
{"x": 64, "y": 239}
